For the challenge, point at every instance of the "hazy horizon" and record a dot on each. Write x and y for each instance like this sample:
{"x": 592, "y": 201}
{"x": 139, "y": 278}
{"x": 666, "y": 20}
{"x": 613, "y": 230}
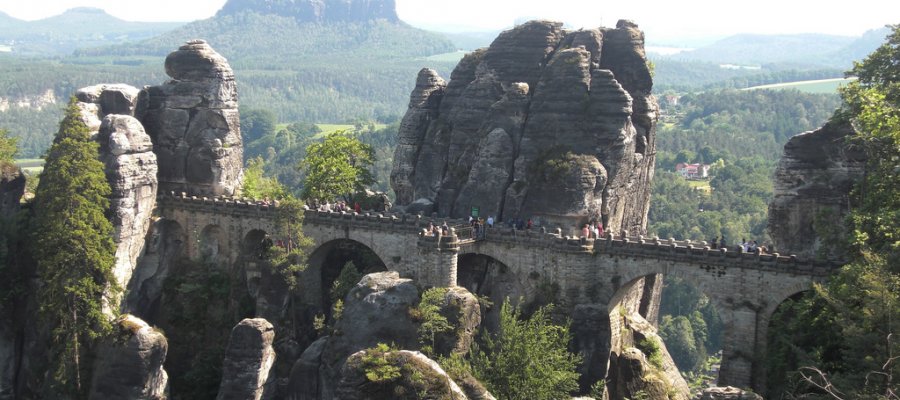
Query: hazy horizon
{"x": 661, "y": 20}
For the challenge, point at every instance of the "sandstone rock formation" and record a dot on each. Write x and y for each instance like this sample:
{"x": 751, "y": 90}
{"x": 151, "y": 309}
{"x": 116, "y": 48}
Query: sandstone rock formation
{"x": 194, "y": 123}
{"x": 126, "y": 152}
{"x": 12, "y": 188}
{"x": 130, "y": 166}
{"x": 544, "y": 123}
{"x": 418, "y": 374}
{"x": 812, "y": 190}
{"x": 130, "y": 366}
{"x": 728, "y": 393}
{"x": 248, "y": 359}
{"x": 376, "y": 311}
{"x": 318, "y": 10}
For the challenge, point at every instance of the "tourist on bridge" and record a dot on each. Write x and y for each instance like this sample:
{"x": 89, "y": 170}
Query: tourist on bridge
{"x": 585, "y": 232}
{"x": 490, "y": 221}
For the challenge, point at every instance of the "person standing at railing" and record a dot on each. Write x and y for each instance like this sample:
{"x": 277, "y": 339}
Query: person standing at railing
{"x": 490, "y": 221}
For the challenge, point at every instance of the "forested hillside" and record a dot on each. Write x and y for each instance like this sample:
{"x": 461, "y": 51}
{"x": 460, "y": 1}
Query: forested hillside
{"x": 741, "y": 133}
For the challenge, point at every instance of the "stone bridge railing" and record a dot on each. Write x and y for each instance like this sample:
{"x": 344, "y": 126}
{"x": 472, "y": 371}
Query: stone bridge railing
{"x": 412, "y": 224}
{"x": 231, "y": 206}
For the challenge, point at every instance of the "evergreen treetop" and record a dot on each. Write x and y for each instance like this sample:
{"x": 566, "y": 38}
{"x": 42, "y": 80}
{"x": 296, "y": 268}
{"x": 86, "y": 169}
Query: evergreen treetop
{"x": 73, "y": 247}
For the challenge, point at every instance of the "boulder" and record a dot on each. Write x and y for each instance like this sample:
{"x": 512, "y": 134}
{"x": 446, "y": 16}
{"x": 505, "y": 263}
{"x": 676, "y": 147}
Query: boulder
{"x": 728, "y": 393}
{"x": 248, "y": 359}
{"x": 463, "y": 312}
{"x": 377, "y": 311}
{"x": 194, "y": 123}
{"x": 416, "y": 374}
{"x": 130, "y": 365}
{"x": 813, "y": 181}
{"x": 540, "y": 105}
{"x": 635, "y": 375}
{"x": 117, "y": 98}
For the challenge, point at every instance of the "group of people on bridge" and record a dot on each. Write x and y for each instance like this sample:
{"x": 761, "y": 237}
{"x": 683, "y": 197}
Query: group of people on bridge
{"x": 340, "y": 206}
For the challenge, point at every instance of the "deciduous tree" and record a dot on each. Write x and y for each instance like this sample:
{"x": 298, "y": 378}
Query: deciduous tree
{"x": 336, "y": 167}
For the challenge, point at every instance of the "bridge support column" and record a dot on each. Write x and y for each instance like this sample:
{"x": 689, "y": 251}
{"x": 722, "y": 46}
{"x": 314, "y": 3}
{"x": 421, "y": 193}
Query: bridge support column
{"x": 448, "y": 263}
{"x": 741, "y": 356}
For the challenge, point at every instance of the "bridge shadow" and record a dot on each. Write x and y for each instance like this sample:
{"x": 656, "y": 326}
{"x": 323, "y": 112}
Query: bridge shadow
{"x": 325, "y": 264}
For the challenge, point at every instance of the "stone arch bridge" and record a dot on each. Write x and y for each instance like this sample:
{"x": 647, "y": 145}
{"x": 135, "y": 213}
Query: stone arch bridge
{"x": 745, "y": 288}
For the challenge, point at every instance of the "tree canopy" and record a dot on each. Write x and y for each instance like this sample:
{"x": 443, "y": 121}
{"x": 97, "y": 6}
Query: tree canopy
{"x": 337, "y": 167}
{"x": 8, "y": 147}
{"x": 73, "y": 246}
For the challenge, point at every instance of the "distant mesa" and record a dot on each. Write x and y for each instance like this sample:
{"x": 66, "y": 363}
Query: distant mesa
{"x": 318, "y": 10}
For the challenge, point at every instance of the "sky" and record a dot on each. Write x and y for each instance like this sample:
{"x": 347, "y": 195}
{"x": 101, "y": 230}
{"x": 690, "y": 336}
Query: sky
{"x": 658, "y": 18}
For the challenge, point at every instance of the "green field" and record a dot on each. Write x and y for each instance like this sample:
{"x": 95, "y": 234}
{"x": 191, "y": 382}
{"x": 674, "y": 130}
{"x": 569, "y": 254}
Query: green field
{"x": 31, "y": 166}
{"x": 817, "y": 86}
{"x": 451, "y": 57}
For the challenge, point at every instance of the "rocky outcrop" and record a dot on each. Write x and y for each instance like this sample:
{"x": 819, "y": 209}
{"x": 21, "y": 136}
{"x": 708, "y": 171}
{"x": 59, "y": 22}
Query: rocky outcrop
{"x": 728, "y": 393}
{"x": 130, "y": 365}
{"x": 130, "y": 165}
{"x": 377, "y": 311}
{"x": 318, "y": 10}
{"x": 194, "y": 123}
{"x": 248, "y": 359}
{"x": 417, "y": 374}
{"x": 546, "y": 123}
{"x": 12, "y": 188}
{"x": 812, "y": 190}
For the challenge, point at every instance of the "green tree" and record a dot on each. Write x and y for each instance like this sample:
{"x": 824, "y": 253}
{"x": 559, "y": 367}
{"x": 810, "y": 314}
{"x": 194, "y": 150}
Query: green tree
{"x": 73, "y": 247}
{"x": 289, "y": 259}
{"x": 526, "y": 358}
{"x": 336, "y": 167}
{"x": 258, "y": 186}
{"x": 863, "y": 299}
{"x": 256, "y": 123}
{"x": 8, "y": 148}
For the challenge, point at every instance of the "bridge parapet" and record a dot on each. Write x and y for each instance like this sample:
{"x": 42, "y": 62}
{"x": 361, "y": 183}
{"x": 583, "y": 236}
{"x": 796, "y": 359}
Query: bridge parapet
{"x": 234, "y": 206}
{"x": 698, "y": 253}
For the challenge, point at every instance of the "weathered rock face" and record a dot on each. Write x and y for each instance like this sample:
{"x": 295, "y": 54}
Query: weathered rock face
{"x": 377, "y": 311}
{"x": 429, "y": 378}
{"x": 130, "y": 166}
{"x": 127, "y": 153}
{"x": 629, "y": 330}
{"x": 194, "y": 123}
{"x": 812, "y": 187}
{"x": 318, "y": 10}
{"x": 248, "y": 359}
{"x": 728, "y": 393}
{"x": 544, "y": 123}
{"x": 12, "y": 188}
{"x": 131, "y": 365}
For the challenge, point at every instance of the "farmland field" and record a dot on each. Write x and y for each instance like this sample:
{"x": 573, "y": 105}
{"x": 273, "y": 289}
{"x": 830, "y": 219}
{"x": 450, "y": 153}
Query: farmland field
{"x": 817, "y": 86}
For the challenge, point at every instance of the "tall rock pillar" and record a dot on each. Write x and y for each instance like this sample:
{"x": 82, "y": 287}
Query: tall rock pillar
{"x": 194, "y": 123}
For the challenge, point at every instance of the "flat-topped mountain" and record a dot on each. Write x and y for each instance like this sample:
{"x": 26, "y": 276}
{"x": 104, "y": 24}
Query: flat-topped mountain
{"x": 317, "y": 10}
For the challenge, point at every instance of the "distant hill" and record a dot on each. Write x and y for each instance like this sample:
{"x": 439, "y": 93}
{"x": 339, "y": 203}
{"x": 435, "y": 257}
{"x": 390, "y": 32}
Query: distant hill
{"x": 330, "y": 70}
{"x": 73, "y": 29}
{"x": 317, "y": 10}
{"x": 800, "y": 50}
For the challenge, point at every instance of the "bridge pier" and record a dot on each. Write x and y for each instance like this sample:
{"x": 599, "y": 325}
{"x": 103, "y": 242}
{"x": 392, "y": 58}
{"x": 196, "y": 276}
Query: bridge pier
{"x": 742, "y": 356}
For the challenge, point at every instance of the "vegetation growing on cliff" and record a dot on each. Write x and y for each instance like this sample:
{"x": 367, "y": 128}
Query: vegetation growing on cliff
{"x": 856, "y": 356}
{"x": 73, "y": 248}
{"x": 526, "y": 358}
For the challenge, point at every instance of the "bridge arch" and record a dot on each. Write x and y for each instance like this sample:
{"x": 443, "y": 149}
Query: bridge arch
{"x": 324, "y": 265}
{"x": 211, "y": 243}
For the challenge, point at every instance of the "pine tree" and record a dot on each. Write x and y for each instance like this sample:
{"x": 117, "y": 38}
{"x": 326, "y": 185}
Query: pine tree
{"x": 73, "y": 248}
